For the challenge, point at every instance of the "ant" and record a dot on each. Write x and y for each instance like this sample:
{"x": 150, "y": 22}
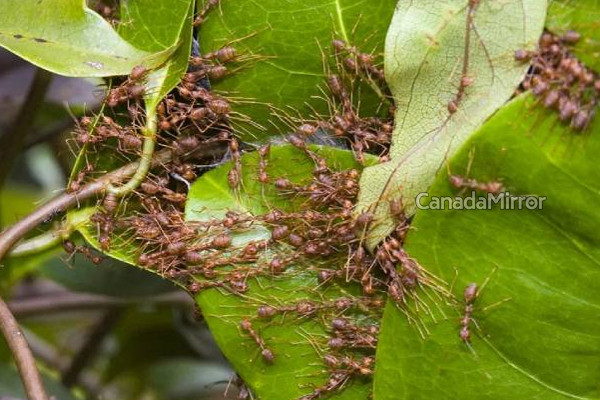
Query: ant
{"x": 234, "y": 175}
{"x": 76, "y": 184}
{"x": 470, "y": 295}
{"x": 130, "y": 89}
{"x": 465, "y": 80}
{"x": 263, "y": 153}
{"x": 209, "y": 5}
{"x": 72, "y": 249}
{"x": 461, "y": 182}
{"x": 266, "y": 353}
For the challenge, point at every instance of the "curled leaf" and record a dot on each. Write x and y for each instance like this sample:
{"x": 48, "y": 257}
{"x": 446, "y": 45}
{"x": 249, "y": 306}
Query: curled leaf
{"x": 449, "y": 65}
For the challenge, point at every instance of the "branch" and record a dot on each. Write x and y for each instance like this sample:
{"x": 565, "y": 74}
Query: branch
{"x": 14, "y": 233}
{"x": 12, "y": 141}
{"x": 90, "y": 347}
{"x": 46, "y": 304}
{"x": 88, "y": 382}
{"x": 10, "y": 236}
{"x": 30, "y": 375}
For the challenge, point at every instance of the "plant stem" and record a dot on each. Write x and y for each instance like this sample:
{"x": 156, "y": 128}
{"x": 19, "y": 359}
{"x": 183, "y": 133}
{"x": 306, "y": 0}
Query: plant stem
{"x": 90, "y": 347}
{"x": 12, "y": 141}
{"x": 17, "y": 343}
{"x": 65, "y": 302}
{"x": 145, "y": 160}
{"x": 11, "y": 235}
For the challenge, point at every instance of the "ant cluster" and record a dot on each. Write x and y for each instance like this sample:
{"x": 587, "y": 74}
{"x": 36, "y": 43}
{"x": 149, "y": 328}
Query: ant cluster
{"x": 72, "y": 249}
{"x": 371, "y": 134}
{"x": 320, "y": 237}
{"x": 560, "y": 80}
{"x": 189, "y": 118}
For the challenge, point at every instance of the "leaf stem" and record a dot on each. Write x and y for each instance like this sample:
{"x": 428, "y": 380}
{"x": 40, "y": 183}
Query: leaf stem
{"x": 40, "y": 243}
{"x": 145, "y": 159}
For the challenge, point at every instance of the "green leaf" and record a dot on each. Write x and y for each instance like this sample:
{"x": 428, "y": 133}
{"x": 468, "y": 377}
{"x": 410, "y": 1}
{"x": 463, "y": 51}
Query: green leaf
{"x": 536, "y": 329}
{"x": 426, "y": 51}
{"x": 155, "y": 26}
{"x": 289, "y": 41}
{"x": 186, "y": 379}
{"x": 67, "y": 38}
{"x": 582, "y": 16}
{"x": 298, "y": 367}
{"x": 111, "y": 278}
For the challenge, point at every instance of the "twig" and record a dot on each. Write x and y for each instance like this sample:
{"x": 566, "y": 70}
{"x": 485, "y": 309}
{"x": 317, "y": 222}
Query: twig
{"x": 64, "y": 302}
{"x": 90, "y": 347}
{"x": 54, "y": 360}
{"x": 14, "y": 233}
{"x": 10, "y": 236}
{"x": 32, "y": 381}
{"x": 12, "y": 141}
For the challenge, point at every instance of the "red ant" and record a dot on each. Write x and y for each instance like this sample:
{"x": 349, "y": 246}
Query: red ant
{"x": 266, "y": 353}
{"x": 470, "y": 295}
{"x": 460, "y": 182}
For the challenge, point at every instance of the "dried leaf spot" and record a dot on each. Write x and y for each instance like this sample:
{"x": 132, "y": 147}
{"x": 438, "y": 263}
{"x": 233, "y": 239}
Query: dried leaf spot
{"x": 94, "y": 64}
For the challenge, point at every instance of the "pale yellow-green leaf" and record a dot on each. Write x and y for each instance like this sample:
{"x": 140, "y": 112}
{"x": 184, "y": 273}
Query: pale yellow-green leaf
{"x": 428, "y": 47}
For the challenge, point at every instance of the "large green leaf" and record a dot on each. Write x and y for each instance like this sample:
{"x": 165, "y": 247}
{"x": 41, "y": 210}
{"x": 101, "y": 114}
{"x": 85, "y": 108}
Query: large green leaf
{"x": 298, "y": 366}
{"x": 428, "y": 47}
{"x": 65, "y": 37}
{"x": 290, "y": 38}
{"x": 155, "y": 26}
{"x": 582, "y": 16}
{"x": 541, "y": 339}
